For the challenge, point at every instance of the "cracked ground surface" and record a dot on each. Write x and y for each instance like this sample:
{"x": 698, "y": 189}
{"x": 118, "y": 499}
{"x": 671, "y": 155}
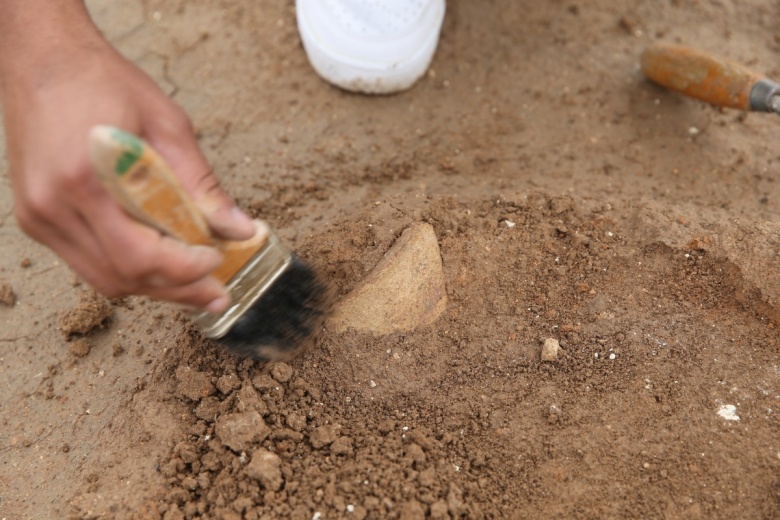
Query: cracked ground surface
{"x": 571, "y": 199}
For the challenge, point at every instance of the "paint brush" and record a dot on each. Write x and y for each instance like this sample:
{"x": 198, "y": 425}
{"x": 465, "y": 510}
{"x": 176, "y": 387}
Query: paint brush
{"x": 278, "y": 302}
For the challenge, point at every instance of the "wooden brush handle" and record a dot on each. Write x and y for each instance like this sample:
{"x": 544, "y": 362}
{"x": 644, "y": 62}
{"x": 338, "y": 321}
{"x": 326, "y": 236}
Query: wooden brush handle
{"x": 147, "y": 188}
{"x": 709, "y": 78}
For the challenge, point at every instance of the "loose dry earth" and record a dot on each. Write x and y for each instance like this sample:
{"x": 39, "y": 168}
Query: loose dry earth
{"x": 571, "y": 200}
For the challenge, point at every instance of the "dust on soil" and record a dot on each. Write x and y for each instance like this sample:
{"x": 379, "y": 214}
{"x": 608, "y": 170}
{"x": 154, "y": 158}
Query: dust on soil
{"x": 572, "y": 201}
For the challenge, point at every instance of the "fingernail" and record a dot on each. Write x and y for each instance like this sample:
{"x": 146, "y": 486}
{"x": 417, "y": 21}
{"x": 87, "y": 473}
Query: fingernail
{"x": 218, "y": 305}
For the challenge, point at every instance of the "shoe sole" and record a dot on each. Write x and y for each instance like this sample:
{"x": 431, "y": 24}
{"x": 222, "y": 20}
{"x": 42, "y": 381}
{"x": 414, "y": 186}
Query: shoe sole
{"x": 382, "y": 76}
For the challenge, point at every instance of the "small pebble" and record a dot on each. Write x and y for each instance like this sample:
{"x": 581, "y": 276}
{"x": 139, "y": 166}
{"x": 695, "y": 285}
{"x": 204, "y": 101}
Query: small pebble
{"x": 554, "y": 414}
{"x": 7, "y": 295}
{"x": 550, "y": 349}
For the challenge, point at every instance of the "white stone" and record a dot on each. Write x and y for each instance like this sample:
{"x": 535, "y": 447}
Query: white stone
{"x": 728, "y": 412}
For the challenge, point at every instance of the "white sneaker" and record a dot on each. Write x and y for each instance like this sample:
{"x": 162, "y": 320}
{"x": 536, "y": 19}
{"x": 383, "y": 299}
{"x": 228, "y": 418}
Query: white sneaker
{"x": 370, "y": 46}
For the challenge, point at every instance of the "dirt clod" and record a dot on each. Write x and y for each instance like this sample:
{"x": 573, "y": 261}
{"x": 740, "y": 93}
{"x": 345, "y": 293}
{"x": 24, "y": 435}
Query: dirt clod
{"x": 240, "y": 431}
{"x": 439, "y": 510}
{"x": 249, "y": 400}
{"x": 296, "y": 421}
{"x": 412, "y": 510}
{"x": 228, "y": 383}
{"x": 79, "y": 347}
{"x": 324, "y": 435}
{"x": 265, "y": 467}
{"x": 341, "y": 446}
{"x": 264, "y": 382}
{"x": 193, "y": 384}
{"x": 282, "y": 372}
{"x": 208, "y": 408}
{"x": 187, "y": 452}
{"x": 91, "y": 312}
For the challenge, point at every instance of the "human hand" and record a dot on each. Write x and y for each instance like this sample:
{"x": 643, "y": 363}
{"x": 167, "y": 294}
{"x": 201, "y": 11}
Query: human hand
{"x": 49, "y": 110}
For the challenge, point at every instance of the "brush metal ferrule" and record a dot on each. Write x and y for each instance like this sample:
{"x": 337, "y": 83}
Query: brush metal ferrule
{"x": 763, "y": 96}
{"x": 247, "y": 286}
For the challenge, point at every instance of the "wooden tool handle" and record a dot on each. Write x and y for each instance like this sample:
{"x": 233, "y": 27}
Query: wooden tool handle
{"x": 709, "y": 78}
{"x": 147, "y": 188}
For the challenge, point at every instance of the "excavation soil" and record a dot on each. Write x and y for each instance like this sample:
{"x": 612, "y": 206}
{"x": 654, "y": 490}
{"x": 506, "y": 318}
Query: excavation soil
{"x": 572, "y": 201}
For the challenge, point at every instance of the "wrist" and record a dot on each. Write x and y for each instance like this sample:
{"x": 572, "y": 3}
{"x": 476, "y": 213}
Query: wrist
{"x": 40, "y": 39}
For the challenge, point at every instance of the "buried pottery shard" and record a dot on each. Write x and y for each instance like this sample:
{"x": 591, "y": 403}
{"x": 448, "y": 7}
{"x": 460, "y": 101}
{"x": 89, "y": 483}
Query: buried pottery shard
{"x": 403, "y": 292}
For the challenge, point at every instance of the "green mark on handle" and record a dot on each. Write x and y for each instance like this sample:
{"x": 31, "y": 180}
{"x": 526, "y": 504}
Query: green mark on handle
{"x": 133, "y": 149}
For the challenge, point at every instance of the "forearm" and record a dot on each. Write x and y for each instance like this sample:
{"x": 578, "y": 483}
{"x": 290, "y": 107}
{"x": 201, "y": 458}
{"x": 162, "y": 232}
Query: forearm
{"x": 36, "y": 37}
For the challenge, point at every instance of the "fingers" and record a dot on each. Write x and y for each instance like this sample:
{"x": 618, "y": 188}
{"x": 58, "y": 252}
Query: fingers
{"x": 174, "y": 140}
{"x": 60, "y": 203}
{"x": 196, "y": 294}
{"x": 193, "y": 286}
{"x": 145, "y": 262}
{"x": 112, "y": 252}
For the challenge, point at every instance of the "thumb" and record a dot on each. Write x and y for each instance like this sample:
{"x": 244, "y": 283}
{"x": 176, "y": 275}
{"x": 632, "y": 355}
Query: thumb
{"x": 176, "y": 143}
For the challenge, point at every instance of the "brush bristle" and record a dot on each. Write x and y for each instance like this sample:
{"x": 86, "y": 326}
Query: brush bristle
{"x": 283, "y": 322}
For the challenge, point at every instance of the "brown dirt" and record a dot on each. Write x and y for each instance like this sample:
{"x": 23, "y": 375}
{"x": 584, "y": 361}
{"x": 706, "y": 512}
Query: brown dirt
{"x": 572, "y": 201}
{"x": 92, "y": 311}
